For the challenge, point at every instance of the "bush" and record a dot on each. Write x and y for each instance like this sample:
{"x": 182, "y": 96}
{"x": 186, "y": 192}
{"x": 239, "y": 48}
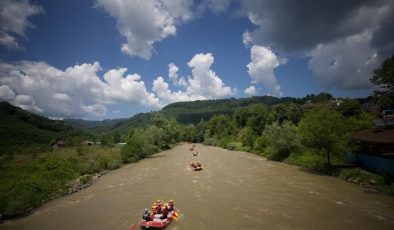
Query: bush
{"x": 114, "y": 164}
{"x": 89, "y": 167}
{"x": 280, "y": 140}
{"x": 309, "y": 159}
{"x": 234, "y": 145}
{"x": 28, "y": 186}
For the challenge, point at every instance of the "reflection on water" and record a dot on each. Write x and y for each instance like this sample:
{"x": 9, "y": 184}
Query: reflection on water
{"x": 235, "y": 190}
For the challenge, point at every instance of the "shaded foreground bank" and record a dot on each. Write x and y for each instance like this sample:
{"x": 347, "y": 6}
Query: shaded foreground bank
{"x": 236, "y": 190}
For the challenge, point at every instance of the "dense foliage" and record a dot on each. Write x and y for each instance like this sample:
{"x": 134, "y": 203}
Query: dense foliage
{"x": 25, "y": 132}
{"x": 384, "y": 78}
{"x": 312, "y": 137}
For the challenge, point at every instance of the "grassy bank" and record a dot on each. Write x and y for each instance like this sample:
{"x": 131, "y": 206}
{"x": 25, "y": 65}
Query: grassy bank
{"x": 27, "y": 181}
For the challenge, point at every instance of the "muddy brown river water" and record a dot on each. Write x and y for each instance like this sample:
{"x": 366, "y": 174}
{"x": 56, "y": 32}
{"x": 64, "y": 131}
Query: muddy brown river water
{"x": 236, "y": 190}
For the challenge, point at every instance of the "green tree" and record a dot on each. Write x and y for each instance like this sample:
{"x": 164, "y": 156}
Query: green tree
{"x": 285, "y": 112}
{"x": 247, "y": 137}
{"x": 280, "y": 140}
{"x": 107, "y": 140}
{"x": 116, "y": 137}
{"x": 350, "y": 107}
{"x": 323, "y": 129}
{"x": 134, "y": 149}
{"x": 200, "y": 131}
{"x": 221, "y": 126}
{"x": 384, "y": 75}
{"x": 155, "y": 136}
{"x": 241, "y": 116}
{"x": 257, "y": 118}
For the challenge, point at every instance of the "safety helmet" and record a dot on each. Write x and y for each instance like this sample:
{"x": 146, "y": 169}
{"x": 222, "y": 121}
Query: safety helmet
{"x": 154, "y": 204}
{"x": 158, "y": 201}
{"x": 146, "y": 210}
{"x": 171, "y": 201}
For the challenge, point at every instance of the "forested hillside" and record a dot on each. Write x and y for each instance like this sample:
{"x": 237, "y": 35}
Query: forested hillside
{"x": 191, "y": 112}
{"x": 21, "y": 130}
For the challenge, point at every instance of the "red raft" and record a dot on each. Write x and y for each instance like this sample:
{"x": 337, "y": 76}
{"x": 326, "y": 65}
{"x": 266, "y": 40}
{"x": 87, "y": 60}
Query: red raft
{"x": 156, "y": 223}
{"x": 196, "y": 166}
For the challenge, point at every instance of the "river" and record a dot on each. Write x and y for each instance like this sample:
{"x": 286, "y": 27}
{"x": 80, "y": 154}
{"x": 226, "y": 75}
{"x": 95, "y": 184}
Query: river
{"x": 235, "y": 190}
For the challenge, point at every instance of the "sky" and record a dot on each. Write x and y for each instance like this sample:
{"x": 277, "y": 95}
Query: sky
{"x": 101, "y": 59}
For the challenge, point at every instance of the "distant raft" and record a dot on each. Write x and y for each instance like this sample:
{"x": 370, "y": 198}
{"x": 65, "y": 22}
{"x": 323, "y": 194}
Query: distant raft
{"x": 196, "y": 166}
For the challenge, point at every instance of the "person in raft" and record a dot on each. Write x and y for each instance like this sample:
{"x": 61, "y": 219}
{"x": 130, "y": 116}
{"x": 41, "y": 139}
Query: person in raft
{"x": 146, "y": 216}
{"x": 159, "y": 206}
{"x": 164, "y": 213}
{"x": 170, "y": 205}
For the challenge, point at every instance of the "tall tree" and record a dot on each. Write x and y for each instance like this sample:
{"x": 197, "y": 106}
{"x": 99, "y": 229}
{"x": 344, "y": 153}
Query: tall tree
{"x": 384, "y": 78}
{"x": 384, "y": 75}
{"x": 323, "y": 129}
{"x": 117, "y": 137}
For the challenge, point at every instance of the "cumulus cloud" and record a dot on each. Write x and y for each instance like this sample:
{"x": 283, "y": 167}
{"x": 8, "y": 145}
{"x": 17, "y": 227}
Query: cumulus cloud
{"x": 143, "y": 23}
{"x": 345, "y": 64}
{"x": 77, "y": 91}
{"x": 261, "y": 68}
{"x": 301, "y": 25}
{"x": 14, "y": 16}
{"x": 203, "y": 84}
{"x": 161, "y": 88}
{"x": 174, "y": 77}
{"x": 6, "y": 93}
{"x": 344, "y": 39}
{"x": 251, "y": 90}
{"x": 26, "y": 102}
{"x": 246, "y": 38}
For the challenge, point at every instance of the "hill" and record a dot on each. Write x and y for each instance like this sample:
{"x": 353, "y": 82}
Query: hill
{"x": 191, "y": 112}
{"x": 94, "y": 126}
{"x": 21, "y": 130}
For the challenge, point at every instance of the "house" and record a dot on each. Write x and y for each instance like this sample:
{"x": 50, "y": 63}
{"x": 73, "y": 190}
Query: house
{"x": 88, "y": 143}
{"x": 309, "y": 105}
{"x": 376, "y": 147}
{"x": 61, "y": 143}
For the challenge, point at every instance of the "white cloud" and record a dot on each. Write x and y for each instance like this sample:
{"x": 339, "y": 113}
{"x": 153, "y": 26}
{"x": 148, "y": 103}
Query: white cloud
{"x": 345, "y": 64}
{"x": 261, "y": 68}
{"x": 345, "y": 40}
{"x": 246, "y": 38}
{"x": 8, "y": 41}
{"x": 203, "y": 84}
{"x": 251, "y": 90}
{"x": 160, "y": 87}
{"x": 145, "y": 22}
{"x": 75, "y": 92}
{"x": 6, "y": 93}
{"x": 127, "y": 89}
{"x": 13, "y": 20}
{"x": 26, "y": 102}
{"x": 95, "y": 109}
{"x": 174, "y": 77}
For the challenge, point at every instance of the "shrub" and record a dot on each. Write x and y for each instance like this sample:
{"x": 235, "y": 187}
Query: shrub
{"x": 28, "y": 186}
{"x": 308, "y": 159}
{"x": 280, "y": 140}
